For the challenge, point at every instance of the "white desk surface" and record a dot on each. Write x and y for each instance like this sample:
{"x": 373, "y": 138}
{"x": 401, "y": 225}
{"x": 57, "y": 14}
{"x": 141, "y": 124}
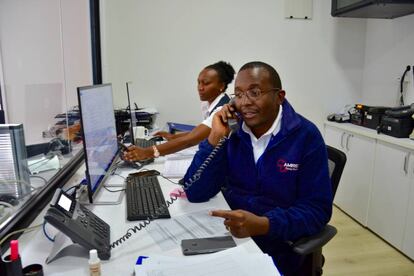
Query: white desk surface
{"x": 35, "y": 247}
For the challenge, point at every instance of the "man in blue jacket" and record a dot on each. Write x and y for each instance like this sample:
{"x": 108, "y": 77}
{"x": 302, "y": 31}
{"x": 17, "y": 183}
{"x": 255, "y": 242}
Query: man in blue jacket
{"x": 273, "y": 170}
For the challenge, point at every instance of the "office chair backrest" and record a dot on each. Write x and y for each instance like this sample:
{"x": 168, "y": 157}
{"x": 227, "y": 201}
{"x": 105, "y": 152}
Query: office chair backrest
{"x": 336, "y": 164}
{"x": 311, "y": 247}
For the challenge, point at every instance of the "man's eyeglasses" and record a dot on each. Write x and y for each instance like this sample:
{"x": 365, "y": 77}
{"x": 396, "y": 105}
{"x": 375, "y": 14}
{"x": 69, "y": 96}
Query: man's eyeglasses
{"x": 252, "y": 94}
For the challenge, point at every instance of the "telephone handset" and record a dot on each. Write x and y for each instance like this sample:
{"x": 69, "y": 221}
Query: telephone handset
{"x": 79, "y": 224}
{"x": 233, "y": 123}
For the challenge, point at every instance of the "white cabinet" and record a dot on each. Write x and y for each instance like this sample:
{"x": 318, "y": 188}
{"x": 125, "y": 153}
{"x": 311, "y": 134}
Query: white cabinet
{"x": 353, "y": 191}
{"x": 390, "y": 193}
{"x": 377, "y": 185}
{"x": 408, "y": 241}
{"x": 335, "y": 137}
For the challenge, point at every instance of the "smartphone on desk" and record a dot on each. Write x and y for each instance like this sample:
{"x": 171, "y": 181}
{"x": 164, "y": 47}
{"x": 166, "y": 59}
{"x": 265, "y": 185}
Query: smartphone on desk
{"x": 206, "y": 245}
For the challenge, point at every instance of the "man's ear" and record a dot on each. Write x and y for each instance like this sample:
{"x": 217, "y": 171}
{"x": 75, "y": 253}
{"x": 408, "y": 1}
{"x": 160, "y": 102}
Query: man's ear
{"x": 281, "y": 96}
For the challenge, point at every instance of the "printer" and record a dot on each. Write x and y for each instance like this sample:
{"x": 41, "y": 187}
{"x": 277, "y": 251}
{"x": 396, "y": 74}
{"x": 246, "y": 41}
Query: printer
{"x": 367, "y": 116}
{"x": 397, "y": 122}
{"x": 373, "y": 116}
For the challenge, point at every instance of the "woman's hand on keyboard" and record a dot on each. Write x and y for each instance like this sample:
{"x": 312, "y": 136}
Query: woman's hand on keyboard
{"x": 134, "y": 153}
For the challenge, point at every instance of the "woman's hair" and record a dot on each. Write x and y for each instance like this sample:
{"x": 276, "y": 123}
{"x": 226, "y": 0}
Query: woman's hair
{"x": 224, "y": 70}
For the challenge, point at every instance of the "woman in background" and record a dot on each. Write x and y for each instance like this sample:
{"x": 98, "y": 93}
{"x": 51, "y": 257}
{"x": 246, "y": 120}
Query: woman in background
{"x": 212, "y": 84}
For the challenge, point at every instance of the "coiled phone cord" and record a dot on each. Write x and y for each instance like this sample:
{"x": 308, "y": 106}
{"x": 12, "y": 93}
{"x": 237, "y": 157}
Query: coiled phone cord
{"x": 172, "y": 198}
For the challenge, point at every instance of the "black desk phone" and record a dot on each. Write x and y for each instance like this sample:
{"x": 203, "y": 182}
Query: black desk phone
{"x": 79, "y": 224}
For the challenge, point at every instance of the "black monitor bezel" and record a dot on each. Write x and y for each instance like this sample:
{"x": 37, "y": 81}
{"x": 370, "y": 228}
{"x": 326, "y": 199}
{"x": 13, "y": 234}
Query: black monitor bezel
{"x": 131, "y": 125}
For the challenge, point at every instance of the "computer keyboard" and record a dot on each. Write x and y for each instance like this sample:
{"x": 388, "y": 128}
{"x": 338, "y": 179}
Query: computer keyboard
{"x": 144, "y": 198}
{"x": 144, "y": 143}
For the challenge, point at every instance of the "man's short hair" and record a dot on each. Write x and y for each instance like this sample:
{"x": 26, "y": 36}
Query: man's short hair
{"x": 273, "y": 75}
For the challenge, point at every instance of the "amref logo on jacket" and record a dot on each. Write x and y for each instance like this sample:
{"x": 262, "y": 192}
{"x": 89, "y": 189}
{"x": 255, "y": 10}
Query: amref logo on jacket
{"x": 285, "y": 166}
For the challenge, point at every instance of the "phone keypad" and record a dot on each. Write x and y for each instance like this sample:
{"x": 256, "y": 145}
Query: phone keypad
{"x": 89, "y": 220}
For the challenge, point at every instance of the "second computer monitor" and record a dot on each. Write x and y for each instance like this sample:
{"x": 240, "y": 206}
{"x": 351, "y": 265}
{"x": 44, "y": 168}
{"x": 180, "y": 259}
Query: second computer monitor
{"x": 99, "y": 134}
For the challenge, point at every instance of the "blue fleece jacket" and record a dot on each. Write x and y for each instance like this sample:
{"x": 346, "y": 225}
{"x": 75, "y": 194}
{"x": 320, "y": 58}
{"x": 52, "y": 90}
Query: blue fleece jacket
{"x": 289, "y": 184}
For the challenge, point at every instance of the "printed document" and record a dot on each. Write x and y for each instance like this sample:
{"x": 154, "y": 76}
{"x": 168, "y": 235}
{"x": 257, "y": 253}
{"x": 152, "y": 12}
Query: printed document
{"x": 169, "y": 233}
{"x": 234, "y": 261}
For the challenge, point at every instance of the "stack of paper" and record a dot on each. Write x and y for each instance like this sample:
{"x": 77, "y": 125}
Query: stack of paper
{"x": 168, "y": 233}
{"x": 176, "y": 164}
{"x": 234, "y": 261}
{"x": 185, "y": 153}
{"x": 176, "y": 168}
{"x": 43, "y": 163}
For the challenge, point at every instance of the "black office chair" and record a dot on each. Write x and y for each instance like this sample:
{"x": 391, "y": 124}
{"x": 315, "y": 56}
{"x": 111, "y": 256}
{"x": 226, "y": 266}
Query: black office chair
{"x": 311, "y": 247}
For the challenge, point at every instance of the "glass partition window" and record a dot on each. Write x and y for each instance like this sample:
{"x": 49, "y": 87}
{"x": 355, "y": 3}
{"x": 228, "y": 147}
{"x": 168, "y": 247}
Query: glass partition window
{"x": 44, "y": 56}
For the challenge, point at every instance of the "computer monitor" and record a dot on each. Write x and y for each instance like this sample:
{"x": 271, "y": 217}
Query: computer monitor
{"x": 100, "y": 142}
{"x": 131, "y": 116}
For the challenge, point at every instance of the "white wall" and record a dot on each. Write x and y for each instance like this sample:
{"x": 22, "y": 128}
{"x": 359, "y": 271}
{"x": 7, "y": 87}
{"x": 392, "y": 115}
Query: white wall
{"x": 162, "y": 45}
{"x": 389, "y": 49}
{"x": 45, "y": 49}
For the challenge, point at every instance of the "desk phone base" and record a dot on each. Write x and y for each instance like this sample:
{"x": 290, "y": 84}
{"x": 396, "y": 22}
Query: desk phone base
{"x": 79, "y": 224}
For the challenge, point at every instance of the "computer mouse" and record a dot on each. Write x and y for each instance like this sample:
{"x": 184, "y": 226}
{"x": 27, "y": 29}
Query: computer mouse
{"x": 9, "y": 199}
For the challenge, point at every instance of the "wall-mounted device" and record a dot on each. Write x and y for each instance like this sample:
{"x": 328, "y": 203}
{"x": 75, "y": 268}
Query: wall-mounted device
{"x": 372, "y": 8}
{"x": 14, "y": 171}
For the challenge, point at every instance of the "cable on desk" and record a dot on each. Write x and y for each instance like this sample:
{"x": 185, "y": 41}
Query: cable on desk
{"x": 28, "y": 229}
{"x": 44, "y": 232}
{"x": 40, "y": 177}
{"x": 173, "y": 198}
{"x": 113, "y": 191}
{"x": 119, "y": 175}
{"x": 169, "y": 179}
{"x": 4, "y": 203}
{"x": 76, "y": 187}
